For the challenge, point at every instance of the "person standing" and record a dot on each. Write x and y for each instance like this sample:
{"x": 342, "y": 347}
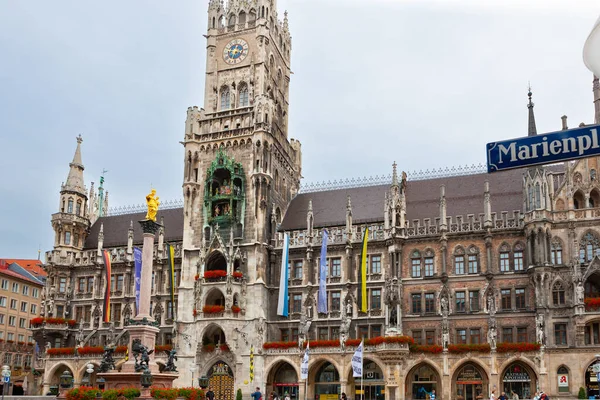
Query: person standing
{"x": 503, "y": 396}
{"x": 493, "y": 394}
{"x": 210, "y": 395}
{"x": 256, "y": 395}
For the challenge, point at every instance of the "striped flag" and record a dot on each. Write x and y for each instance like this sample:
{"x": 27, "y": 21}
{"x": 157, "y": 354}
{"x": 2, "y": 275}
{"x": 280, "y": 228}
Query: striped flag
{"x": 107, "y": 275}
{"x": 282, "y": 304}
{"x": 362, "y": 275}
{"x": 322, "y": 298}
{"x": 171, "y": 260}
{"x": 251, "y": 363}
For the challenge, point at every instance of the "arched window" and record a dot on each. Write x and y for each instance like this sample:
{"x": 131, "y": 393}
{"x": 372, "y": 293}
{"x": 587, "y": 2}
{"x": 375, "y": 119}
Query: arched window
{"x": 76, "y": 240}
{"x": 70, "y": 206}
{"x": 556, "y": 252}
{"x": 504, "y": 258}
{"x": 243, "y": 95}
{"x": 415, "y": 264}
{"x": 594, "y": 198}
{"x": 428, "y": 260}
{"x": 589, "y": 247}
{"x": 563, "y": 379}
{"x": 78, "y": 207}
{"x": 225, "y": 99}
{"x": 231, "y": 20}
{"x": 473, "y": 259}
{"x": 459, "y": 261}
{"x": 518, "y": 262}
{"x": 558, "y": 294}
{"x": 242, "y": 19}
{"x": 538, "y": 196}
{"x": 214, "y": 22}
{"x": 67, "y": 237}
{"x": 578, "y": 200}
{"x": 252, "y": 16}
{"x": 593, "y": 175}
{"x": 530, "y": 197}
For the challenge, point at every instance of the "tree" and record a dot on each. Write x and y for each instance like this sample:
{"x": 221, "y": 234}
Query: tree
{"x": 581, "y": 394}
{"x": 238, "y": 395}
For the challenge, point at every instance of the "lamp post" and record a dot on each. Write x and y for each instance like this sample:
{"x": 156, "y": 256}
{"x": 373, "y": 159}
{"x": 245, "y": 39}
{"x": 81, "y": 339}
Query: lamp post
{"x": 192, "y": 370}
{"x": 5, "y": 375}
{"x": 89, "y": 368}
{"x": 591, "y": 50}
{"x": 203, "y": 382}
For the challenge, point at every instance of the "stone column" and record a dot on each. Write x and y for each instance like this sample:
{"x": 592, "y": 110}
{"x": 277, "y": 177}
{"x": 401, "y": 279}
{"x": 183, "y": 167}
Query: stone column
{"x": 149, "y": 228}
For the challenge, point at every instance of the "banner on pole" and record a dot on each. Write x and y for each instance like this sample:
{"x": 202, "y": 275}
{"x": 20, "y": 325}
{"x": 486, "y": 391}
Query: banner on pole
{"x": 137, "y": 261}
{"x": 282, "y": 302}
{"x": 322, "y": 301}
{"x": 357, "y": 361}
{"x": 304, "y": 364}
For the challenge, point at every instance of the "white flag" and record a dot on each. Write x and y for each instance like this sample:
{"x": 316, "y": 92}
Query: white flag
{"x": 304, "y": 365}
{"x": 357, "y": 361}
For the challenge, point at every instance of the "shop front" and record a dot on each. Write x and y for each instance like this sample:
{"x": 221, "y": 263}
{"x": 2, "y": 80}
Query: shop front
{"x": 284, "y": 380}
{"x": 520, "y": 379}
{"x": 373, "y": 383}
{"x": 591, "y": 380}
{"x": 421, "y": 381}
{"x": 470, "y": 383}
{"x": 327, "y": 382}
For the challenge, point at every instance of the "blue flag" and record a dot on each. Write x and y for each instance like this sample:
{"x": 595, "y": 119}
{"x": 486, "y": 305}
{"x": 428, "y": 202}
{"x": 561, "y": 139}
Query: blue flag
{"x": 282, "y": 305}
{"x": 137, "y": 260}
{"x": 322, "y": 303}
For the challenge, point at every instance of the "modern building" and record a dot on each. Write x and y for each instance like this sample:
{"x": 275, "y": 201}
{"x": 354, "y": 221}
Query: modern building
{"x": 495, "y": 278}
{"x": 21, "y": 283}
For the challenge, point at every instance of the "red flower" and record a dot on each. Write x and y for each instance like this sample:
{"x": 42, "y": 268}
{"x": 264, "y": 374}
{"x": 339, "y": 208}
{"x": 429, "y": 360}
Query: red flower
{"x": 197, "y": 277}
{"x": 121, "y": 349}
{"x": 212, "y": 309}
{"x": 163, "y": 347}
{"x": 61, "y": 351}
{"x": 467, "y": 348}
{"x": 208, "y": 348}
{"x": 224, "y": 347}
{"x": 517, "y": 347}
{"x": 195, "y": 312}
{"x": 37, "y": 321}
{"x": 219, "y": 273}
{"x": 592, "y": 303}
{"x": 237, "y": 274}
{"x": 90, "y": 350}
{"x": 431, "y": 348}
{"x": 235, "y": 309}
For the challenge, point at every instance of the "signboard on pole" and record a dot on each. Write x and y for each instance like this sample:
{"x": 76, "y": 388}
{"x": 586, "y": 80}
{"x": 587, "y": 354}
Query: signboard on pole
{"x": 543, "y": 149}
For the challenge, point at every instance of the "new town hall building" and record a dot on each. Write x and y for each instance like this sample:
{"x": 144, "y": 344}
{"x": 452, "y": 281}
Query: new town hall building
{"x": 495, "y": 277}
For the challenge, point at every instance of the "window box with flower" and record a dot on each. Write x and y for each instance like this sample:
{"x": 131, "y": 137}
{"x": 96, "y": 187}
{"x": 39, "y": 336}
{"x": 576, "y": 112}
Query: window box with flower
{"x": 213, "y": 309}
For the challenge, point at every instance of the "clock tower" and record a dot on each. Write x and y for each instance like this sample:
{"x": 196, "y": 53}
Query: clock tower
{"x": 240, "y": 172}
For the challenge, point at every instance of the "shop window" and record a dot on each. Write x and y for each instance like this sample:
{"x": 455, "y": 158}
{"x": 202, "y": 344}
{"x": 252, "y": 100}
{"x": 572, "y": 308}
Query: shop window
{"x": 563, "y": 379}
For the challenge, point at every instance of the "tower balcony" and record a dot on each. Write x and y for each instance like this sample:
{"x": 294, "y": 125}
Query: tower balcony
{"x": 68, "y": 218}
{"x": 41, "y": 324}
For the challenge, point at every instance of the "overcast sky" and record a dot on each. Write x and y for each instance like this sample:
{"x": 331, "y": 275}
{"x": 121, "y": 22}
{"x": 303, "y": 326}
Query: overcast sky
{"x": 423, "y": 83}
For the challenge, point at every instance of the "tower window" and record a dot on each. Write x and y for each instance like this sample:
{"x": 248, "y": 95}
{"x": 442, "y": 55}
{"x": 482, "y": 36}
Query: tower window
{"x": 225, "y": 99}
{"x": 76, "y": 240}
{"x": 213, "y": 22}
{"x": 70, "y": 206}
{"x": 243, "y": 96}
{"x": 78, "y": 208}
{"x": 67, "y": 237}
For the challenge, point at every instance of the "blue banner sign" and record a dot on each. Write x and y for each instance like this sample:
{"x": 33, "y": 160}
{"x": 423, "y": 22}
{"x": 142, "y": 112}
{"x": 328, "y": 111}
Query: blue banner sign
{"x": 543, "y": 149}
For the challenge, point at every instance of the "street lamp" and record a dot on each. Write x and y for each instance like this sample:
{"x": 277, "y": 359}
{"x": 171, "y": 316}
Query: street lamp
{"x": 203, "y": 382}
{"x": 591, "y": 50}
{"x": 89, "y": 368}
{"x": 66, "y": 380}
{"x": 192, "y": 370}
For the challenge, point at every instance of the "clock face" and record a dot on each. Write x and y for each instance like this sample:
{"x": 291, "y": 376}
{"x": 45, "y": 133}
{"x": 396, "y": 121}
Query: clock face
{"x": 235, "y": 51}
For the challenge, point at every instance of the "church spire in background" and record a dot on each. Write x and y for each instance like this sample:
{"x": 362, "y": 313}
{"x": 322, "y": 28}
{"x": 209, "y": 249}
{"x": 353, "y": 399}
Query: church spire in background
{"x": 74, "y": 181}
{"x": 532, "y": 130}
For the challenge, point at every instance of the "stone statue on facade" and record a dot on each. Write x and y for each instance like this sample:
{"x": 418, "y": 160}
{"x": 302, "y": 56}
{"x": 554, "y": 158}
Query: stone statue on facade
{"x": 444, "y": 306}
{"x": 349, "y": 307}
{"x": 141, "y": 355}
{"x": 393, "y": 316}
{"x": 112, "y": 336}
{"x": 48, "y": 347}
{"x": 579, "y": 293}
{"x": 50, "y": 304}
{"x": 152, "y": 203}
{"x": 171, "y": 358}
{"x": 491, "y": 303}
{"x": 108, "y": 362}
{"x": 445, "y": 337}
{"x": 80, "y": 337}
{"x": 492, "y": 337}
{"x": 540, "y": 329}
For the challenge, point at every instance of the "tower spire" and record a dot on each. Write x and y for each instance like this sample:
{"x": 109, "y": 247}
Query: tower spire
{"x": 74, "y": 181}
{"x": 395, "y": 174}
{"x": 532, "y": 130}
{"x": 596, "y": 90}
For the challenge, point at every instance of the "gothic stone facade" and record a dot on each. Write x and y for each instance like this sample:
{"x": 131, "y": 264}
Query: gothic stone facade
{"x": 457, "y": 260}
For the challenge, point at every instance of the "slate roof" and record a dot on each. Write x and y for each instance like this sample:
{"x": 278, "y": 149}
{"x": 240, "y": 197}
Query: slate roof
{"x": 117, "y": 226}
{"x": 33, "y": 266}
{"x": 15, "y": 271}
{"x": 464, "y": 195}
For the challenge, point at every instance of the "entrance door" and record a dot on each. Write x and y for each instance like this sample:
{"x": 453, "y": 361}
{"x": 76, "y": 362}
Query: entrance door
{"x": 469, "y": 391}
{"x": 221, "y": 381}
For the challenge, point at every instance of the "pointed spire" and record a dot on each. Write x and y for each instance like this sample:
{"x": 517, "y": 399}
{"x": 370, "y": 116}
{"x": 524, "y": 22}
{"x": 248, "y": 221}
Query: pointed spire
{"x": 309, "y": 219}
{"x": 532, "y": 130}
{"x": 443, "y": 219}
{"x": 100, "y": 239}
{"x": 348, "y": 217}
{"x": 395, "y": 174}
{"x": 487, "y": 206}
{"x": 130, "y": 238}
{"x": 286, "y": 23}
{"x": 74, "y": 181}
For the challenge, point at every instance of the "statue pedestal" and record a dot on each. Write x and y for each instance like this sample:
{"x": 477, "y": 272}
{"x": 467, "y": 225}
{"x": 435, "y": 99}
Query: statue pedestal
{"x": 147, "y": 335}
{"x": 116, "y": 380}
